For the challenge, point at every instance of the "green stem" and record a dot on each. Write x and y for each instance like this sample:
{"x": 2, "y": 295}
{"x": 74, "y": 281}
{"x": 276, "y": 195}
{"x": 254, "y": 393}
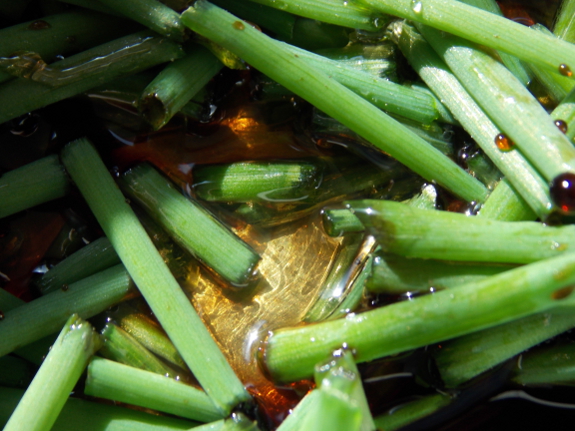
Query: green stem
{"x": 276, "y": 61}
{"x": 505, "y": 204}
{"x": 291, "y": 354}
{"x": 176, "y": 85}
{"x": 412, "y": 411}
{"x": 152, "y": 14}
{"x": 337, "y": 222}
{"x": 15, "y": 372}
{"x": 45, "y": 397}
{"x": 45, "y": 315}
{"x": 161, "y": 291}
{"x": 565, "y": 22}
{"x": 546, "y": 365}
{"x": 86, "y": 70}
{"x": 118, "y": 382}
{"x": 32, "y": 184}
{"x": 565, "y": 111}
{"x": 412, "y": 232}
{"x": 191, "y": 226}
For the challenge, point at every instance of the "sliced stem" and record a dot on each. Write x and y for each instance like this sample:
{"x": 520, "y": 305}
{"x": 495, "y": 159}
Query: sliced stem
{"x": 462, "y": 359}
{"x": 32, "y": 184}
{"x": 43, "y": 316}
{"x": 412, "y": 232}
{"x": 118, "y": 382}
{"x": 547, "y": 365}
{"x": 410, "y": 412}
{"x": 158, "y": 286}
{"x": 292, "y": 353}
{"x": 176, "y": 85}
{"x": 45, "y": 397}
{"x": 94, "y": 257}
{"x": 191, "y": 226}
{"x": 275, "y": 60}
{"x": 337, "y": 222}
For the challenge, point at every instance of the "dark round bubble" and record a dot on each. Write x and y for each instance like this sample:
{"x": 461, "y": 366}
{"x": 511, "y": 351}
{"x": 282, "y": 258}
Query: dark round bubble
{"x": 562, "y": 190}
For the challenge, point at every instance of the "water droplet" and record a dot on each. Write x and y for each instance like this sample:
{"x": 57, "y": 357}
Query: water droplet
{"x": 561, "y": 125}
{"x": 504, "y": 143}
{"x": 565, "y": 70}
{"x": 25, "y": 125}
{"x": 417, "y": 6}
{"x": 65, "y": 287}
{"x": 39, "y": 25}
{"x": 1, "y": 315}
{"x": 238, "y": 25}
{"x": 562, "y": 190}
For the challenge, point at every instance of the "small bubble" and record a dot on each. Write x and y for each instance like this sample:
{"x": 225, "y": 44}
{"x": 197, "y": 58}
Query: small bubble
{"x": 238, "y": 25}
{"x": 25, "y": 125}
{"x": 417, "y": 6}
{"x": 39, "y": 25}
{"x": 565, "y": 70}
{"x": 561, "y": 125}
{"x": 504, "y": 143}
{"x": 1, "y": 315}
{"x": 562, "y": 190}
{"x": 65, "y": 287}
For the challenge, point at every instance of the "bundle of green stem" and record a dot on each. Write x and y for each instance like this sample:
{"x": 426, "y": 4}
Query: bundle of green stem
{"x": 501, "y": 282}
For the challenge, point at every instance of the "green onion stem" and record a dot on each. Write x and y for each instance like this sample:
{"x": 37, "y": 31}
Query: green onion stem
{"x": 61, "y": 34}
{"x": 16, "y": 372}
{"x": 411, "y": 411}
{"x": 565, "y": 111}
{"x": 275, "y": 60}
{"x": 337, "y": 222}
{"x": 95, "y": 416}
{"x": 161, "y": 291}
{"x": 176, "y": 85}
{"x": 32, "y": 184}
{"x": 95, "y": 6}
{"x": 86, "y": 70}
{"x": 9, "y": 301}
{"x": 152, "y": 14}
{"x": 462, "y": 359}
{"x": 505, "y": 204}
{"x": 191, "y": 226}
{"x": 565, "y": 21}
{"x": 44, "y": 316}
{"x": 94, "y": 257}
{"x": 442, "y": 81}
{"x": 507, "y": 102}
{"x": 546, "y": 365}
{"x": 122, "y": 347}
{"x": 291, "y": 354}
{"x": 346, "y": 14}
{"x": 118, "y": 382}
{"x": 45, "y": 397}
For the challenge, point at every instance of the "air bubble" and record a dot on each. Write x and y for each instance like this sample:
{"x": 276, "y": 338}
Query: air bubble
{"x": 565, "y": 70}
{"x": 417, "y": 6}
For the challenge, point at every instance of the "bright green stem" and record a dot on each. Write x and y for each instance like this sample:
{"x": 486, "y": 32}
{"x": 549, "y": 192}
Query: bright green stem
{"x": 95, "y": 416}
{"x": 257, "y": 181}
{"x": 565, "y": 22}
{"x": 412, "y": 232}
{"x": 45, "y": 397}
{"x": 118, "y": 382}
{"x": 15, "y": 372}
{"x": 526, "y": 180}
{"x": 336, "y": 222}
{"x": 150, "y": 335}
{"x": 510, "y": 61}
{"x": 505, "y": 204}
{"x": 176, "y": 85}
{"x": 410, "y": 412}
{"x": 94, "y": 257}
{"x": 483, "y": 28}
{"x": 121, "y": 57}
{"x": 346, "y": 14}
{"x": 38, "y": 182}
{"x": 462, "y": 359}
{"x": 158, "y": 286}
{"x": 122, "y": 347}
{"x": 152, "y": 14}
{"x": 565, "y": 111}
{"x": 507, "y": 102}
{"x": 191, "y": 226}
{"x": 291, "y": 354}
{"x": 547, "y": 365}
{"x": 45, "y": 315}
{"x": 64, "y": 34}
{"x": 275, "y": 60}
{"x": 396, "y": 275}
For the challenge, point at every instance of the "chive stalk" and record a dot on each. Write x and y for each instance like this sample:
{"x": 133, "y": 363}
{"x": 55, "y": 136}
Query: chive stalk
{"x": 412, "y": 411}
{"x": 275, "y": 60}
{"x": 15, "y": 372}
{"x": 45, "y": 397}
{"x": 44, "y": 316}
{"x": 338, "y": 221}
{"x": 564, "y": 27}
{"x": 94, "y": 257}
{"x": 32, "y": 184}
{"x": 462, "y": 359}
{"x": 191, "y": 226}
{"x": 176, "y": 85}
{"x": 546, "y": 365}
{"x": 505, "y": 204}
{"x": 86, "y": 70}
{"x": 291, "y": 354}
{"x": 565, "y": 111}
{"x": 161, "y": 291}
{"x": 118, "y": 382}
{"x": 413, "y": 232}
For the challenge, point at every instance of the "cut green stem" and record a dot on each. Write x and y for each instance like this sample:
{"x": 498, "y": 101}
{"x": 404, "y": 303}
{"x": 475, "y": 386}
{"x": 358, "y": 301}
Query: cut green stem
{"x": 505, "y": 204}
{"x": 412, "y": 411}
{"x": 45, "y": 397}
{"x": 158, "y": 286}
